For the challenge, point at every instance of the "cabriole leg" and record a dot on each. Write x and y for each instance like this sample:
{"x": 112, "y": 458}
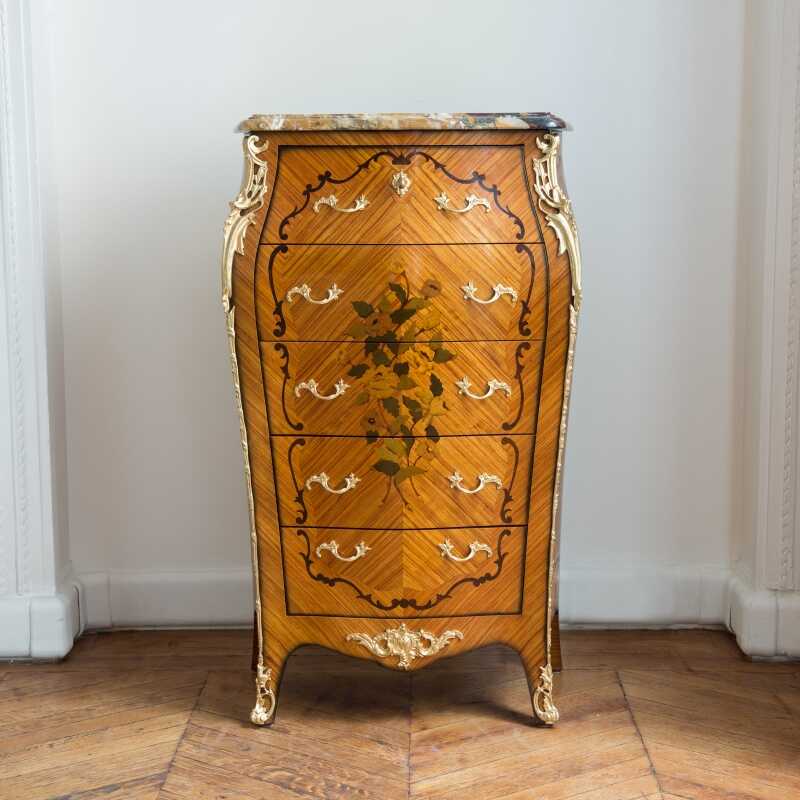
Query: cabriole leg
{"x": 268, "y": 678}
{"x": 263, "y": 712}
{"x": 543, "y": 704}
{"x": 540, "y": 683}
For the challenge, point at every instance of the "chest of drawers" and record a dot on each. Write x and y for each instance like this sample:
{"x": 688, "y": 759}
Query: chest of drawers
{"x": 401, "y": 296}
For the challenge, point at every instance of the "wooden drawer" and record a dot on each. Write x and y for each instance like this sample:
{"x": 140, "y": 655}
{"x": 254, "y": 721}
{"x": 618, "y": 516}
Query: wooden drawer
{"x": 403, "y": 573}
{"x": 407, "y": 194}
{"x": 492, "y": 292}
{"x": 402, "y": 483}
{"x": 369, "y": 389}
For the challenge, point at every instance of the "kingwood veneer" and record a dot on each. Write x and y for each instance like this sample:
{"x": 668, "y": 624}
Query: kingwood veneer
{"x": 401, "y": 295}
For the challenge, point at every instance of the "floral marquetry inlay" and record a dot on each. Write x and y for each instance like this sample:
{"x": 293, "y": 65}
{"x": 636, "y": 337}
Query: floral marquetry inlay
{"x": 401, "y": 393}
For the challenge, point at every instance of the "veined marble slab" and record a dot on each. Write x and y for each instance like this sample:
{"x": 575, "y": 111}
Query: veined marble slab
{"x": 396, "y": 122}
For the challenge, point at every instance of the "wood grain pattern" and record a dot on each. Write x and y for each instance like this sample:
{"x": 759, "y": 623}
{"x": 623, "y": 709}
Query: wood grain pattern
{"x": 424, "y": 500}
{"x": 307, "y": 174}
{"x": 363, "y": 272}
{"x": 403, "y": 574}
{"x": 401, "y": 263}
{"x": 293, "y": 411}
{"x": 130, "y": 716}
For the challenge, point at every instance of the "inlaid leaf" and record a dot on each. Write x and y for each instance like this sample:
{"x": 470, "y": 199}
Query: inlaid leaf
{"x": 357, "y": 370}
{"x": 436, "y": 385}
{"x": 414, "y": 408}
{"x": 425, "y": 460}
{"x": 402, "y": 314}
{"x": 387, "y": 467}
{"x": 425, "y": 396}
{"x": 399, "y": 291}
{"x": 441, "y": 355}
{"x": 432, "y": 318}
{"x": 380, "y": 359}
{"x": 358, "y": 330}
{"x": 372, "y": 436}
{"x": 406, "y": 383}
{"x": 416, "y": 303}
{"x": 391, "y": 405}
{"x": 432, "y": 433}
{"x": 392, "y": 448}
{"x": 400, "y": 368}
{"x": 437, "y": 407}
{"x": 363, "y": 309}
{"x": 407, "y": 472}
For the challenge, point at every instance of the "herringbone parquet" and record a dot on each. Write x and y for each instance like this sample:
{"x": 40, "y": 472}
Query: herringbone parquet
{"x": 655, "y": 715}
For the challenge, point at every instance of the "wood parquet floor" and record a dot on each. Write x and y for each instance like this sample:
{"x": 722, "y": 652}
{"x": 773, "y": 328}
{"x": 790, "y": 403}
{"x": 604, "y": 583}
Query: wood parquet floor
{"x": 163, "y": 714}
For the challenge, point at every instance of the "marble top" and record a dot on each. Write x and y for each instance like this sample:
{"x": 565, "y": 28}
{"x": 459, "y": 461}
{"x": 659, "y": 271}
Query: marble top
{"x": 396, "y": 122}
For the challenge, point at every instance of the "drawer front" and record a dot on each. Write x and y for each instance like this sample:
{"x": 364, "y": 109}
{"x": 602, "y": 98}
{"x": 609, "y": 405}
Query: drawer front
{"x": 402, "y": 482}
{"x": 403, "y": 573}
{"x": 400, "y": 195}
{"x": 386, "y": 389}
{"x": 493, "y": 292}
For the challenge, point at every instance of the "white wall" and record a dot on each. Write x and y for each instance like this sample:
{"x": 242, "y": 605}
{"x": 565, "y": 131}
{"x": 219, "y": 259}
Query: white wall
{"x": 144, "y": 99}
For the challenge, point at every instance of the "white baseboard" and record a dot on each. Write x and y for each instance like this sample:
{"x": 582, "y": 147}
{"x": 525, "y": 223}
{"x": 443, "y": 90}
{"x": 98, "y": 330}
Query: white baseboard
{"x": 40, "y": 626}
{"x": 644, "y": 597}
{"x": 203, "y": 598}
{"x": 789, "y": 624}
{"x": 766, "y": 622}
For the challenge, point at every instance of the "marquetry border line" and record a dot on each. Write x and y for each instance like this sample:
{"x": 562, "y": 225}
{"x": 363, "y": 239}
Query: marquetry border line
{"x": 399, "y": 159}
{"x": 522, "y": 347}
{"x": 404, "y": 602}
{"x": 279, "y": 319}
{"x": 523, "y": 326}
{"x": 302, "y": 511}
{"x": 283, "y": 352}
{"x": 508, "y": 498}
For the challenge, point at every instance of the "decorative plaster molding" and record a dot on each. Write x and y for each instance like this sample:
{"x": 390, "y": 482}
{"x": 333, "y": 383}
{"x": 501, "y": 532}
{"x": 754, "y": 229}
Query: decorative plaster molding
{"x": 790, "y": 538}
{"x": 9, "y": 339}
{"x": 39, "y": 614}
{"x": 778, "y": 544}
